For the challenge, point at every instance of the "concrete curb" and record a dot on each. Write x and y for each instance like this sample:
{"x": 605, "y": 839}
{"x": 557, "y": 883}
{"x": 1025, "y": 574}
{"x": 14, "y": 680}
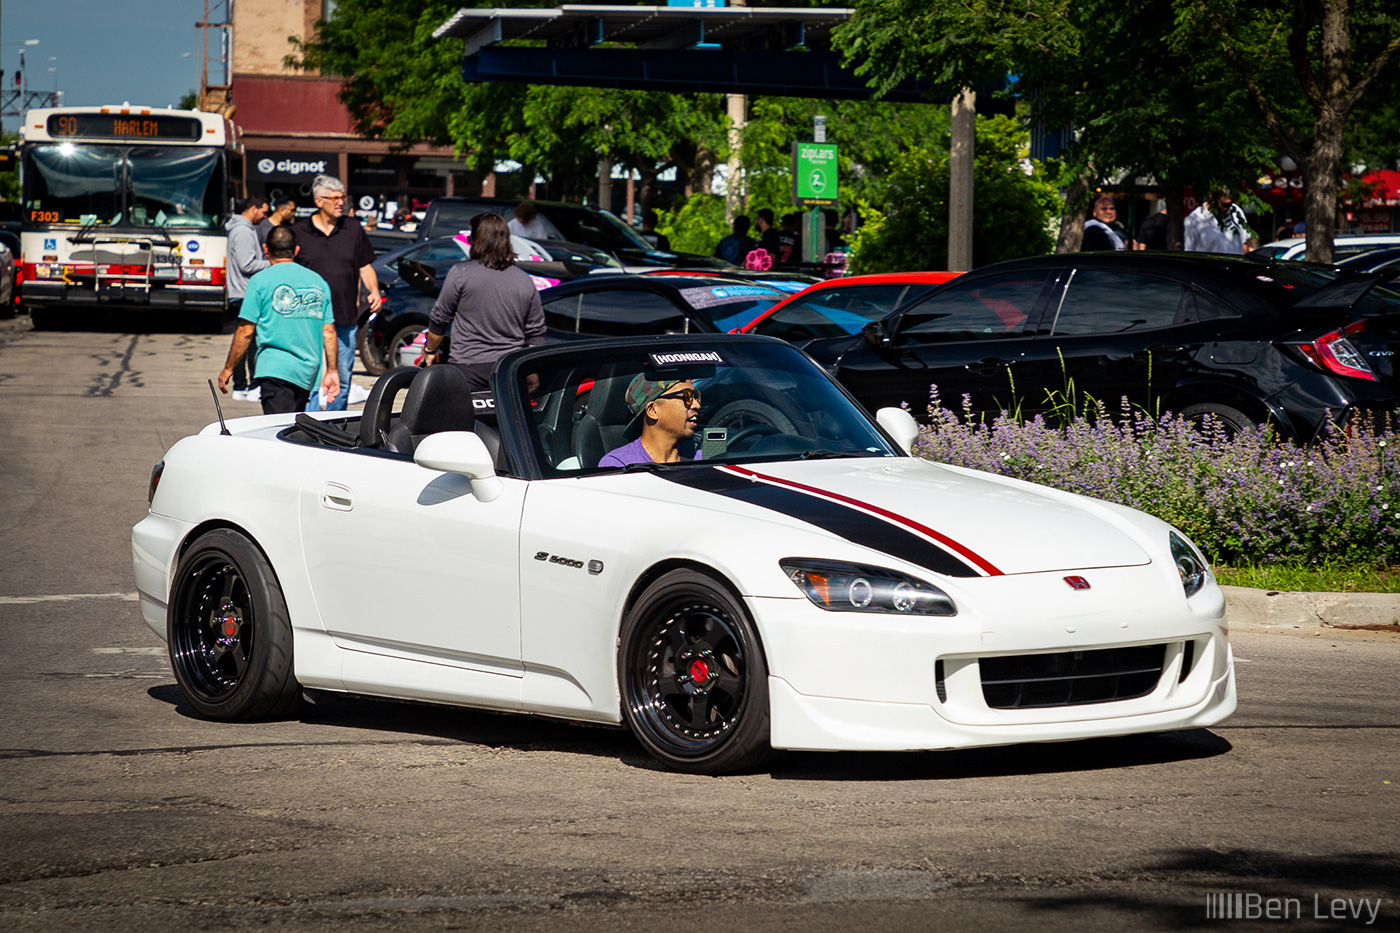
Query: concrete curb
{"x": 1275, "y": 609}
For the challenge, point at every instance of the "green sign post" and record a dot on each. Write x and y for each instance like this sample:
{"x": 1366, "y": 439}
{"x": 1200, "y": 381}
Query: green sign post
{"x": 814, "y": 174}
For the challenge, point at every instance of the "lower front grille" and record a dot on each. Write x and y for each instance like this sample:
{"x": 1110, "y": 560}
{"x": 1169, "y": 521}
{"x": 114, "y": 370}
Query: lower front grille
{"x": 1071, "y": 678}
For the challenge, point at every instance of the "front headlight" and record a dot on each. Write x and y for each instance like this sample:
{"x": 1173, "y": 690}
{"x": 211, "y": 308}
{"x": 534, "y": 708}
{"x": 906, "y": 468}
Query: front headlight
{"x": 1189, "y": 563}
{"x": 841, "y": 587}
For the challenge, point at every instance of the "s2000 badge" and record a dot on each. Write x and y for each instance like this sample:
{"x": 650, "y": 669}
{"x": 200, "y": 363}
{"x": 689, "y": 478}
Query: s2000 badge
{"x": 1077, "y": 583}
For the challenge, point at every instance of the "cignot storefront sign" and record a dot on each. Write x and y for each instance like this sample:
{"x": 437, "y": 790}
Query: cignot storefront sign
{"x": 284, "y": 166}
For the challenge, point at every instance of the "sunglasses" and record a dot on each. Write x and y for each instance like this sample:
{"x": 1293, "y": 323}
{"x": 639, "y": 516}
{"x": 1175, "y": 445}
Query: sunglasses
{"x": 688, "y": 396}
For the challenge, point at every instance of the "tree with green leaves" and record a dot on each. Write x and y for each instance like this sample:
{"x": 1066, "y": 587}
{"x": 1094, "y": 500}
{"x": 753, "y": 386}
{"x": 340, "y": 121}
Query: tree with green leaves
{"x": 406, "y": 87}
{"x": 907, "y": 227}
{"x": 1137, "y": 105}
{"x": 1307, "y": 66}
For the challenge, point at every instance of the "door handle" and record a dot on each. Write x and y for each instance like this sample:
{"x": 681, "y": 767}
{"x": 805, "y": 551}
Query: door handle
{"x": 987, "y": 365}
{"x": 337, "y": 497}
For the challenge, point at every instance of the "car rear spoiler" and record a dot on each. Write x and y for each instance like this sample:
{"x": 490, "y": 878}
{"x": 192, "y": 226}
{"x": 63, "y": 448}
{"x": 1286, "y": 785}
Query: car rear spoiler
{"x": 1343, "y": 293}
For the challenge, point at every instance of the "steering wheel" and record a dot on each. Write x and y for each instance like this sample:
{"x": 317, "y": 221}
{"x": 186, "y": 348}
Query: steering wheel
{"x": 753, "y": 432}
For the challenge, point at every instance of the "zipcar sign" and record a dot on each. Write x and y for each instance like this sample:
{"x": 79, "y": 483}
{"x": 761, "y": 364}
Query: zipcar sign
{"x": 290, "y": 166}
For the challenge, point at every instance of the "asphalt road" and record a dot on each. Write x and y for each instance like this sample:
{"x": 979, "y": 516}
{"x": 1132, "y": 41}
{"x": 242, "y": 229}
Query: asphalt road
{"x": 119, "y": 810}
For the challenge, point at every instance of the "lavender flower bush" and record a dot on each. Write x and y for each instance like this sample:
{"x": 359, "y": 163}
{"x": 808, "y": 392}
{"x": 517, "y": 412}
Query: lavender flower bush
{"x": 1244, "y": 499}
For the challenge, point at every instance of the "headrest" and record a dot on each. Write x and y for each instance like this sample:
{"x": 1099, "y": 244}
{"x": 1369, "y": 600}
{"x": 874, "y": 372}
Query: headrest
{"x": 438, "y": 400}
{"x": 379, "y": 407}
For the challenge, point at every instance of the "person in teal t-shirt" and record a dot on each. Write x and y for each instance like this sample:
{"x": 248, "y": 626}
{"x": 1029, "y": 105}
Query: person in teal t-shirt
{"x": 288, "y": 308}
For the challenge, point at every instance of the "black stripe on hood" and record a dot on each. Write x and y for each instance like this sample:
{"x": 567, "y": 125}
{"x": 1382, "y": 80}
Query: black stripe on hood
{"x": 852, "y": 524}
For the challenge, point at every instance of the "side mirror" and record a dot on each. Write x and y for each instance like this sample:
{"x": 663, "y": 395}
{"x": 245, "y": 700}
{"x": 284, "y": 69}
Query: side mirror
{"x": 461, "y": 452}
{"x": 876, "y": 334}
{"x": 900, "y": 425}
{"x": 420, "y": 276}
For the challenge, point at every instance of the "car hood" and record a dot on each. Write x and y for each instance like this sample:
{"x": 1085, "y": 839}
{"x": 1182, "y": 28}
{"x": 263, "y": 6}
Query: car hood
{"x": 954, "y": 522}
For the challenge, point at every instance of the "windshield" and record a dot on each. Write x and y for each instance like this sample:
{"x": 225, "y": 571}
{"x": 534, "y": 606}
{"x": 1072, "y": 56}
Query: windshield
{"x": 68, "y": 184}
{"x": 176, "y": 187}
{"x": 758, "y": 402}
{"x": 598, "y": 229}
{"x": 141, "y": 186}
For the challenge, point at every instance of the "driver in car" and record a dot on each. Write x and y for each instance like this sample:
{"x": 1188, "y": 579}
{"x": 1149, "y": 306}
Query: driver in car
{"x": 670, "y": 411}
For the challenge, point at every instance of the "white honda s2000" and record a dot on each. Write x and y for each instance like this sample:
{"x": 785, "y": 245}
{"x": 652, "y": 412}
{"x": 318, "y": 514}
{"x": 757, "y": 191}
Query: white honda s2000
{"x": 796, "y": 581}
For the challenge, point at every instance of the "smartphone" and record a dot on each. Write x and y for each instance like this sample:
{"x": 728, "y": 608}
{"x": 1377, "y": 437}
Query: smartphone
{"x": 714, "y": 443}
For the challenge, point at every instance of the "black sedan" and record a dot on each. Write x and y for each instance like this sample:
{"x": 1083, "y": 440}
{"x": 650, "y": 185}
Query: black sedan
{"x": 1246, "y": 342}
{"x": 601, "y": 304}
{"x": 676, "y": 303}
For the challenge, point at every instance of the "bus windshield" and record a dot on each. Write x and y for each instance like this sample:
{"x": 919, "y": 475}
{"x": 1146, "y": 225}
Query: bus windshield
{"x": 176, "y": 187}
{"x": 67, "y": 184}
{"x": 106, "y": 185}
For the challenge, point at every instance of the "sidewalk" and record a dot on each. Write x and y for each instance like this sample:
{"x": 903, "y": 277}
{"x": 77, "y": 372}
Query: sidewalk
{"x": 1273, "y": 609}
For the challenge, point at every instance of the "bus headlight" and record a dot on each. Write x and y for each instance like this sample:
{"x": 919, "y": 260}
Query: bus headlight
{"x": 197, "y": 274}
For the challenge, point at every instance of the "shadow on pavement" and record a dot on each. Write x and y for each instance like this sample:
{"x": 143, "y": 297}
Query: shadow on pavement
{"x": 529, "y": 733}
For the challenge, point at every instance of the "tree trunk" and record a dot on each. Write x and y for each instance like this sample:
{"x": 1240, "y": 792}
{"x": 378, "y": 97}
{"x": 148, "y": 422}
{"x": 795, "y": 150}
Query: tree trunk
{"x": 1320, "y": 186}
{"x": 1072, "y": 220}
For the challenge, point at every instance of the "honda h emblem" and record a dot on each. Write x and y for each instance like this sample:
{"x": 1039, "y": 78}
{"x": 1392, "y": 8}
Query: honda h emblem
{"x": 1077, "y": 583}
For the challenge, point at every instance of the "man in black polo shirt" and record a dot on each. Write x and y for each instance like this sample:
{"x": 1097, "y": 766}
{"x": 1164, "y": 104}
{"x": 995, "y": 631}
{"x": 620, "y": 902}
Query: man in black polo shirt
{"x": 335, "y": 247}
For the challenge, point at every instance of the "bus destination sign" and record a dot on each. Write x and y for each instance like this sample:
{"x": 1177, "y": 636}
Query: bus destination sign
{"x": 123, "y": 126}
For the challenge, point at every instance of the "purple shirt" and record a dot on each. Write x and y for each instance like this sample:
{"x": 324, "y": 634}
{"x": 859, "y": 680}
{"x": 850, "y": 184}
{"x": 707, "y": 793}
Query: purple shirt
{"x": 630, "y": 453}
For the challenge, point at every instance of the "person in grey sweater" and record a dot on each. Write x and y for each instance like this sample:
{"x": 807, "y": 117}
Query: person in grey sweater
{"x": 491, "y": 306}
{"x": 245, "y": 258}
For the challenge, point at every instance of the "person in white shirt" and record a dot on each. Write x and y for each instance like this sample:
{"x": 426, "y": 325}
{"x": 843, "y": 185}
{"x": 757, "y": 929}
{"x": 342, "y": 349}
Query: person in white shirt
{"x": 1217, "y": 226}
{"x": 528, "y": 223}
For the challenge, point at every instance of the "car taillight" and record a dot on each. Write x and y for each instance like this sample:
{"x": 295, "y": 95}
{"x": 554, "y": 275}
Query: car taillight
{"x": 1334, "y": 353}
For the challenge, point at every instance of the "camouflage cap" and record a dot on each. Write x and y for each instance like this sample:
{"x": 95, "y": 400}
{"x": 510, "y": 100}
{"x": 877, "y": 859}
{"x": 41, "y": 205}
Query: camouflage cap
{"x": 641, "y": 391}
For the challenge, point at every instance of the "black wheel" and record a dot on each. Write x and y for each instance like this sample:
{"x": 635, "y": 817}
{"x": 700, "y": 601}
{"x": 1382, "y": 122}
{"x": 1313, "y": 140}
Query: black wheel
{"x": 745, "y": 413}
{"x": 229, "y": 633}
{"x": 1230, "y": 420}
{"x": 694, "y": 682}
{"x": 41, "y": 319}
{"x": 403, "y": 338}
{"x": 370, "y": 356}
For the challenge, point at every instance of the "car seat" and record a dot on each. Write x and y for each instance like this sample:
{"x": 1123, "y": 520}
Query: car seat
{"x": 438, "y": 400}
{"x": 379, "y": 407}
{"x": 607, "y": 423}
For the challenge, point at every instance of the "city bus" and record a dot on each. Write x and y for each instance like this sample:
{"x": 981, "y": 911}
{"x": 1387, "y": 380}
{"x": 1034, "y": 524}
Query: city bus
{"x": 123, "y": 208}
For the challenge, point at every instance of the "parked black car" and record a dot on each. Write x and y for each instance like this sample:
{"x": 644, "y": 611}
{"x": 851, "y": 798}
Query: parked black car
{"x": 575, "y": 223}
{"x": 592, "y": 305}
{"x": 1246, "y": 341}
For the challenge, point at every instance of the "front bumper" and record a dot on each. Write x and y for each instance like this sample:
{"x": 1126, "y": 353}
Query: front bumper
{"x": 856, "y": 681}
{"x": 50, "y": 294}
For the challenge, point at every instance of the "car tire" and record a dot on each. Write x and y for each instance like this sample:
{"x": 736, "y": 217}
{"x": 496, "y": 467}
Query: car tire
{"x": 1231, "y": 420}
{"x": 369, "y": 353}
{"x": 747, "y": 413}
{"x": 229, "y": 633}
{"x": 402, "y": 338}
{"x": 42, "y": 319}
{"x": 693, "y": 678}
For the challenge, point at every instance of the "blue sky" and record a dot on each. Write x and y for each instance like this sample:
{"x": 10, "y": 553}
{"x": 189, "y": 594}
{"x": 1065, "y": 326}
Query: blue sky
{"x": 106, "y": 51}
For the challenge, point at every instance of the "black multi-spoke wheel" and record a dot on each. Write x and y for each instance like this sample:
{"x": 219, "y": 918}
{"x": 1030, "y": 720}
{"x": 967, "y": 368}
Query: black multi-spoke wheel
{"x": 229, "y": 634}
{"x": 694, "y": 682}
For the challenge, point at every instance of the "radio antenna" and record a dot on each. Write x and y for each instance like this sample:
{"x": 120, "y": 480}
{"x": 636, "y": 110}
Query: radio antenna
{"x": 223, "y": 428}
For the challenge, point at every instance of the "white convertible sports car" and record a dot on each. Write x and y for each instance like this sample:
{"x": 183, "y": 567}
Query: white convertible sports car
{"x": 796, "y": 581}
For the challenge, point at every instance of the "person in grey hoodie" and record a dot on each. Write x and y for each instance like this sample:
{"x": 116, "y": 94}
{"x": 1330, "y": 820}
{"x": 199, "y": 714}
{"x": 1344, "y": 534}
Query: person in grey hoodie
{"x": 245, "y": 257}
